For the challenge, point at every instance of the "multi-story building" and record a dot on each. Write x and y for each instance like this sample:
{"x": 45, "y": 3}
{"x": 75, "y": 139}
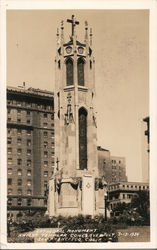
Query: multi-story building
{"x": 30, "y": 149}
{"x": 118, "y": 166}
{"x": 113, "y": 168}
{"x": 104, "y": 163}
{"x": 122, "y": 192}
{"x": 30, "y": 146}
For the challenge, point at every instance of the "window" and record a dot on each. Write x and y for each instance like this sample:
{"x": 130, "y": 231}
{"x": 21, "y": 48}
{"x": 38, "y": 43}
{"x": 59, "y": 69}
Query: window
{"x": 18, "y": 111}
{"x": 9, "y": 119}
{"x": 28, "y": 163}
{"x": 29, "y": 192}
{"x": 28, "y": 113}
{"x": 69, "y": 72}
{"x": 45, "y": 154}
{"x": 28, "y": 121}
{"x": 9, "y": 161}
{"x": 19, "y": 202}
{"x": 45, "y": 144}
{"x": 19, "y": 182}
{"x": 19, "y": 140}
{"x": 53, "y": 151}
{"x": 19, "y": 120}
{"x": 80, "y": 71}
{"x": 29, "y": 183}
{"x": 28, "y": 172}
{"x": 19, "y": 161}
{"x": 19, "y": 131}
{"x": 29, "y": 202}
{"x": 52, "y": 144}
{"x": 19, "y": 172}
{"x": 9, "y": 111}
{"x": 45, "y": 115}
{"x": 45, "y": 134}
{"x": 45, "y": 163}
{"x": 28, "y": 132}
{"x": 19, "y": 191}
{"x": 28, "y": 143}
{"x": 19, "y": 151}
{"x": 19, "y": 104}
{"x": 45, "y": 124}
{"x": 9, "y": 131}
{"x": 52, "y": 117}
{"x": 29, "y": 104}
{"x": 9, "y": 140}
{"x": 53, "y": 161}
{"x": 9, "y": 191}
{"x": 82, "y": 138}
{"x": 123, "y": 196}
{"x": 45, "y": 173}
{"x": 9, "y": 181}
{"x": 52, "y": 133}
{"x": 9, "y": 171}
{"x": 9, "y": 150}
{"x": 9, "y": 202}
{"x": 9, "y": 102}
{"x": 28, "y": 152}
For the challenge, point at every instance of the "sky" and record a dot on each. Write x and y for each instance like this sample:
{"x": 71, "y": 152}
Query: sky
{"x": 121, "y": 50}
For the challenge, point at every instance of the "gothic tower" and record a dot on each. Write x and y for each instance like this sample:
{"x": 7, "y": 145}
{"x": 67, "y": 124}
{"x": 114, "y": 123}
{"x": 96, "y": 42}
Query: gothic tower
{"x": 73, "y": 183}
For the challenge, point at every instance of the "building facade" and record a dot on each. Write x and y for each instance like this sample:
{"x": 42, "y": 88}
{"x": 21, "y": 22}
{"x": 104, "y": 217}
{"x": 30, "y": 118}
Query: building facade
{"x": 113, "y": 168}
{"x": 118, "y": 166}
{"x": 122, "y": 192}
{"x": 30, "y": 146}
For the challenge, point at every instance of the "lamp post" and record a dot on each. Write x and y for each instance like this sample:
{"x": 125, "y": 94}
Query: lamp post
{"x": 105, "y": 197}
{"x": 105, "y": 204}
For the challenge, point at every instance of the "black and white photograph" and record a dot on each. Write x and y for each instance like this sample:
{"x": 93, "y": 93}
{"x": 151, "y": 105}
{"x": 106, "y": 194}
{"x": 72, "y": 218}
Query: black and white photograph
{"x": 78, "y": 115}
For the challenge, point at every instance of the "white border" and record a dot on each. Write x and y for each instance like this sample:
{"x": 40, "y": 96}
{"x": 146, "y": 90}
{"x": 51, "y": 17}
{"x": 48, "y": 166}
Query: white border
{"x": 82, "y": 4}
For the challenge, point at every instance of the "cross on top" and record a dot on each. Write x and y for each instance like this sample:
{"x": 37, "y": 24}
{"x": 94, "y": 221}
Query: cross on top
{"x": 73, "y": 23}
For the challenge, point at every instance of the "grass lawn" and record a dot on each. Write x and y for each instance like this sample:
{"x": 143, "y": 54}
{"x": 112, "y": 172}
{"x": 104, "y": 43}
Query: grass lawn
{"x": 134, "y": 234}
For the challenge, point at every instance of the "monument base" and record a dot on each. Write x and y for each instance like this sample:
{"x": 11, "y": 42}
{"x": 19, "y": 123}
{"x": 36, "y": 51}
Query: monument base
{"x": 74, "y": 196}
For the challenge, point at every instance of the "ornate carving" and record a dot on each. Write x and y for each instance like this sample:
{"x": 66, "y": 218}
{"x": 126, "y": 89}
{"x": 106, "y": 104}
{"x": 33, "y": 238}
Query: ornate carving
{"x": 69, "y": 115}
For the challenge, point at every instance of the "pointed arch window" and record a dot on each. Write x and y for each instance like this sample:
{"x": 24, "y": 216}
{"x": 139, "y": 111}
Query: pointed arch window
{"x": 80, "y": 71}
{"x": 82, "y": 138}
{"x": 69, "y": 72}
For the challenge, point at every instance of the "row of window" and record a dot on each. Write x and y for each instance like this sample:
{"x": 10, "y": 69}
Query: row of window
{"x": 128, "y": 196}
{"x": 29, "y": 162}
{"x": 19, "y": 172}
{"x": 19, "y": 182}
{"x": 10, "y": 191}
{"x": 29, "y": 104}
{"x": 28, "y": 132}
{"x": 114, "y": 161}
{"x": 19, "y": 152}
{"x": 19, "y": 202}
{"x": 130, "y": 187}
{"x": 28, "y": 121}
{"x": 28, "y": 113}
